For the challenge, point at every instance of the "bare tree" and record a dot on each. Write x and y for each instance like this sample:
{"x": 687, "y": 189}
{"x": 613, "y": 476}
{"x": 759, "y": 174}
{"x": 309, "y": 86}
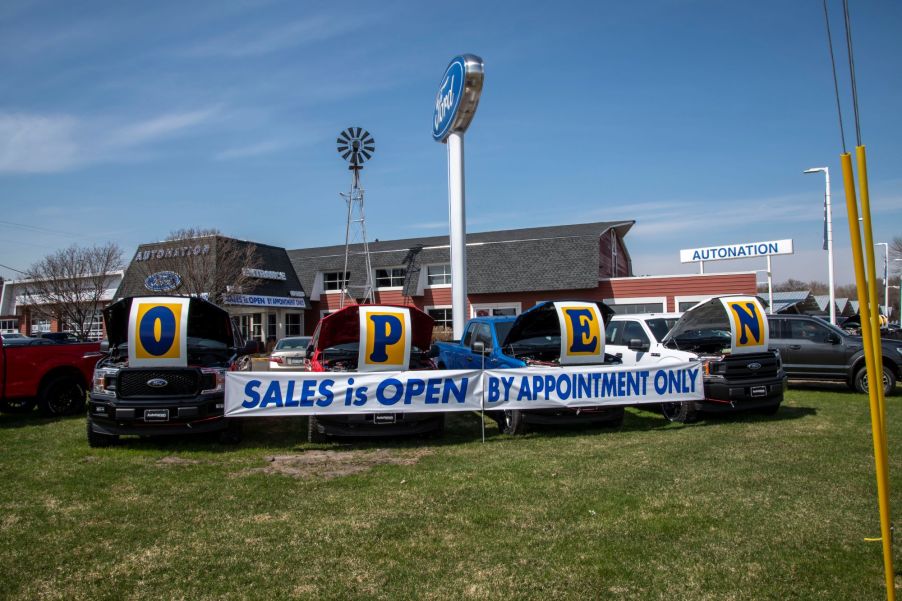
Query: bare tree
{"x": 208, "y": 263}
{"x": 895, "y": 255}
{"x": 69, "y": 285}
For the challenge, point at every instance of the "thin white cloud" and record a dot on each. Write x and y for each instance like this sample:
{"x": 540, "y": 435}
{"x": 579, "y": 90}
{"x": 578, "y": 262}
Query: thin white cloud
{"x": 33, "y": 143}
{"x": 251, "y": 150}
{"x": 258, "y": 41}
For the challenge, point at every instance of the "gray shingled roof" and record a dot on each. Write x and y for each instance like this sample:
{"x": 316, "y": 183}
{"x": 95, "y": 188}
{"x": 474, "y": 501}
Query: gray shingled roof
{"x": 561, "y": 257}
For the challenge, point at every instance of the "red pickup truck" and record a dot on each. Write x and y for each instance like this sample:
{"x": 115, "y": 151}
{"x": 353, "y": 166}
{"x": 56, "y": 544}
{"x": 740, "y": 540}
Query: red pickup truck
{"x": 57, "y": 376}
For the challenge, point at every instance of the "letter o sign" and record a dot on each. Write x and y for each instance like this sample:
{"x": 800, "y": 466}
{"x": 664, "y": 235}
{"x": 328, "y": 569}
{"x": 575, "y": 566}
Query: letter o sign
{"x": 157, "y": 332}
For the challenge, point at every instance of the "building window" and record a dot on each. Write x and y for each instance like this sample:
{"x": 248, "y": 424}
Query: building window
{"x": 494, "y": 309}
{"x": 336, "y": 280}
{"x": 292, "y": 324}
{"x": 9, "y": 326}
{"x": 251, "y": 326}
{"x": 442, "y": 317}
{"x": 686, "y": 305}
{"x": 39, "y": 326}
{"x": 391, "y": 277}
{"x": 270, "y": 326}
{"x": 438, "y": 275}
{"x": 632, "y": 308}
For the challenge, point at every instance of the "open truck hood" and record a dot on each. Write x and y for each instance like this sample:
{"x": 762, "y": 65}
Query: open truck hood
{"x": 542, "y": 320}
{"x": 205, "y": 320}
{"x": 343, "y": 327}
{"x": 722, "y": 324}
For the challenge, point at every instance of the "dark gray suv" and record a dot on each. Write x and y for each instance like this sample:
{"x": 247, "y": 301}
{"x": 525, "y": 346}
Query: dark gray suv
{"x": 813, "y": 349}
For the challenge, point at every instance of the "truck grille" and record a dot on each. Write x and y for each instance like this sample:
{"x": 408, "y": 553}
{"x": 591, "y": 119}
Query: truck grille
{"x": 133, "y": 383}
{"x": 737, "y": 367}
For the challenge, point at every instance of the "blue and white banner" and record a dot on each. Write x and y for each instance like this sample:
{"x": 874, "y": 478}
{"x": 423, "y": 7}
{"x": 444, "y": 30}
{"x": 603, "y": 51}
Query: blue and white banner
{"x": 260, "y": 394}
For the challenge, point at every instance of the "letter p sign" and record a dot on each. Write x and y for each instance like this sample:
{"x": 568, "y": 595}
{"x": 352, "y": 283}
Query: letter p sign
{"x": 384, "y": 339}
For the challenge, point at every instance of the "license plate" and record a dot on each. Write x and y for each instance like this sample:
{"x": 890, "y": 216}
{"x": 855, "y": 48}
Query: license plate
{"x": 295, "y": 361}
{"x": 759, "y": 391}
{"x": 384, "y": 418}
{"x": 156, "y": 415}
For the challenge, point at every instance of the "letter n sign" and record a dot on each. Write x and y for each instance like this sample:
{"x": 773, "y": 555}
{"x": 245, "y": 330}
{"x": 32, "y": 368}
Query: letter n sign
{"x": 749, "y": 331}
{"x": 385, "y": 334}
{"x": 582, "y": 332}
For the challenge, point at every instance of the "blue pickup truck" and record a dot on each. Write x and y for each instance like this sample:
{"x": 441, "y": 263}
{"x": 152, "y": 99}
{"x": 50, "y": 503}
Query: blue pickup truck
{"x": 532, "y": 339}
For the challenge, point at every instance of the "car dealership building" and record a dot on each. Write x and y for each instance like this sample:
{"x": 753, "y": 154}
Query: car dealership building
{"x": 274, "y": 292}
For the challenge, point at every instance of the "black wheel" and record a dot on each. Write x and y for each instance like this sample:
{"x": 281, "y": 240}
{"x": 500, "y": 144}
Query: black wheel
{"x": 232, "y": 433}
{"x": 616, "y": 419}
{"x": 63, "y": 395}
{"x": 313, "y": 433}
{"x": 514, "y": 423}
{"x": 684, "y": 413}
{"x": 98, "y": 439}
{"x": 889, "y": 380}
{"x": 16, "y": 405}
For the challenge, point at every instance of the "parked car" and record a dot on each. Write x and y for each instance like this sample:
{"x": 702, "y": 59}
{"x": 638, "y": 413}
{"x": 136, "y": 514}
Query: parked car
{"x": 532, "y": 339}
{"x": 61, "y": 337}
{"x": 54, "y": 376}
{"x": 734, "y": 381}
{"x": 813, "y": 349}
{"x": 13, "y": 336}
{"x": 335, "y": 347}
{"x": 160, "y": 379}
{"x": 289, "y": 353}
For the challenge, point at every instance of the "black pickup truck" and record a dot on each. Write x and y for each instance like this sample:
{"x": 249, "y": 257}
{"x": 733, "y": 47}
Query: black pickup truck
{"x": 813, "y": 349}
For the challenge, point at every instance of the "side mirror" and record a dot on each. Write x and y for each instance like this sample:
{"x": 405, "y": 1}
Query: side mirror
{"x": 636, "y": 344}
{"x": 833, "y": 338}
{"x": 105, "y": 345}
{"x": 478, "y": 347}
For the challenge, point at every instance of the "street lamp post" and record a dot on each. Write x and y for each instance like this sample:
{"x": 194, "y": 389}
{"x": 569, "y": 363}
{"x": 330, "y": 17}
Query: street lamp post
{"x": 828, "y": 217}
{"x": 885, "y": 246}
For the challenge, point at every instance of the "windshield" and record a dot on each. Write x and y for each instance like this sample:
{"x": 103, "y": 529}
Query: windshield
{"x": 502, "y": 329}
{"x": 659, "y": 326}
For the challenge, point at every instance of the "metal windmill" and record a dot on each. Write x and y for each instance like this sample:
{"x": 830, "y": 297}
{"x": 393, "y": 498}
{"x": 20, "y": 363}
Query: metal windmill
{"x": 356, "y": 146}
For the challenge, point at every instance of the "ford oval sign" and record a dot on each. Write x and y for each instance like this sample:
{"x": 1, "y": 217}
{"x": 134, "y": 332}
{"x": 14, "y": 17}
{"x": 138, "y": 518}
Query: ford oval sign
{"x": 458, "y": 96}
{"x": 157, "y": 382}
{"x": 163, "y": 281}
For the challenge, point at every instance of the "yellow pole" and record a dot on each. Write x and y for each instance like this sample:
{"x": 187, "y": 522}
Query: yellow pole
{"x": 873, "y": 304}
{"x": 876, "y": 426}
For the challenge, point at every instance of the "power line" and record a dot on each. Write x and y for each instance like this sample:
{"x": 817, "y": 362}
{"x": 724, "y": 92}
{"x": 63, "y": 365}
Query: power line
{"x": 36, "y": 228}
{"x": 842, "y": 133}
{"x": 12, "y": 269}
{"x": 852, "y": 71}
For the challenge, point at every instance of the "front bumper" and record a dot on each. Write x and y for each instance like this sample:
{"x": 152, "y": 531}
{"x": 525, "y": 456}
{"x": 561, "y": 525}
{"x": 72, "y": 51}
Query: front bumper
{"x": 722, "y": 395}
{"x": 116, "y": 416}
{"x": 367, "y": 424}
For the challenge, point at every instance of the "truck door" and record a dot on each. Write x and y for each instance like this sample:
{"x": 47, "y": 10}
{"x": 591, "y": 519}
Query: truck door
{"x": 812, "y": 349}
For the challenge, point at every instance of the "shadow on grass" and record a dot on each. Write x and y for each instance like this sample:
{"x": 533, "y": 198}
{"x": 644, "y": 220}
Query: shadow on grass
{"x": 31, "y": 418}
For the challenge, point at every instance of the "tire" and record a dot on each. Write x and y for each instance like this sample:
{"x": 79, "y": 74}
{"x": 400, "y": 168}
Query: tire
{"x": 232, "y": 434}
{"x": 513, "y": 423}
{"x": 99, "y": 440}
{"x": 684, "y": 413}
{"x": 889, "y": 380}
{"x": 63, "y": 395}
{"x": 313, "y": 433}
{"x": 16, "y": 405}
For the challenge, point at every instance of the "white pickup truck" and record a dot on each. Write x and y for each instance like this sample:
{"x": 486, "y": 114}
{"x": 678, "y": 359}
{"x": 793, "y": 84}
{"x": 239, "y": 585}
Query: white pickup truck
{"x": 728, "y": 334}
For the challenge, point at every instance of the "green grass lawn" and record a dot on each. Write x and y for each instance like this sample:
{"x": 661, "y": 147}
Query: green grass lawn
{"x": 745, "y": 507}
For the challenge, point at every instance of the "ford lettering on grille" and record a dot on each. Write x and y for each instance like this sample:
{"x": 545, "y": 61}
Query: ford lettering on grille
{"x": 754, "y": 366}
{"x": 157, "y": 382}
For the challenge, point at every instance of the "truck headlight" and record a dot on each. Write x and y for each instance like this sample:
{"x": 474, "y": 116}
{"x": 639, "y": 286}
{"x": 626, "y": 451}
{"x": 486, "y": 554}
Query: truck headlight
{"x": 213, "y": 379}
{"x": 712, "y": 366}
{"x": 105, "y": 380}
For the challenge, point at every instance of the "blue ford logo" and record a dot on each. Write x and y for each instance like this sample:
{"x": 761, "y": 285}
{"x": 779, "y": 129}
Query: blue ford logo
{"x": 157, "y": 383}
{"x": 163, "y": 281}
{"x": 754, "y": 365}
{"x": 448, "y": 98}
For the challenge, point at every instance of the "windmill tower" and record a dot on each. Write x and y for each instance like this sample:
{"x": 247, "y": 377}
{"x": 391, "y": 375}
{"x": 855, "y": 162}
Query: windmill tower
{"x": 356, "y": 146}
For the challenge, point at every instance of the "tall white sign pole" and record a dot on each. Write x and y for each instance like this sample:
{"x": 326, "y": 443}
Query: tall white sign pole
{"x": 455, "y": 105}
{"x": 828, "y": 227}
{"x": 770, "y": 288}
{"x": 457, "y": 219}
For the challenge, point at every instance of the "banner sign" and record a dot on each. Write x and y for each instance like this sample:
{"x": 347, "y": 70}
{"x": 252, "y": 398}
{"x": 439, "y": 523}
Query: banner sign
{"x": 749, "y": 332}
{"x": 158, "y": 332}
{"x": 260, "y": 394}
{"x": 582, "y": 333}
{"x": 736, "y": 251}
{"x": 256, "y": 300}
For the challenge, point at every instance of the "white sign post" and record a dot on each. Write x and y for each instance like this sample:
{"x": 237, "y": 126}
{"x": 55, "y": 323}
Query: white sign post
{"x": 455, "y": 105}
{"x": 746, "y": 250}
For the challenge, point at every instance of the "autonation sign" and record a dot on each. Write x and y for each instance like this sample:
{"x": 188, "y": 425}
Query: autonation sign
{"x": 736, "y": 251}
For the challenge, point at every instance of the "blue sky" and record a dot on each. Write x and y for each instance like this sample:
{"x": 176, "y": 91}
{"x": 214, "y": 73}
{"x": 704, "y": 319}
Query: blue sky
{"x": 123, "y": 121}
